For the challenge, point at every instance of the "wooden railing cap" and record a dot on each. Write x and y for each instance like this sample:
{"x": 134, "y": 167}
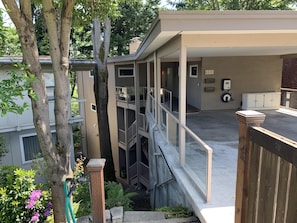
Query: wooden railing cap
{"x": 95, "y": 164}
{"x": 250, "y": 116}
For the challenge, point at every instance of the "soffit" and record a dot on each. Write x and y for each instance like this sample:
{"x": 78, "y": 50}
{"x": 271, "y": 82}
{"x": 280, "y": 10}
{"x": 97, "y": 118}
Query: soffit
{"x": 171, "y": 24}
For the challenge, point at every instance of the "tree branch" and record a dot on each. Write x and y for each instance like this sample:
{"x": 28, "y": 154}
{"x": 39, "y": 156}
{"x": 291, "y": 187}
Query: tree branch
{"x": 107, "y": 33}
{"x": 14, "y": 12}
{"x": 97, "y": 41}
{"x": 66, "y": 20}
{"x": 50, "y": 18}
{"x": 26, "y": 9}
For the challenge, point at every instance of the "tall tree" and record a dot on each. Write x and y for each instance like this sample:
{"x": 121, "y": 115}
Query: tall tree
{"x": 135, "y": 18}
{"x": 58, "y": 22}
{"x": 101, "y": 30}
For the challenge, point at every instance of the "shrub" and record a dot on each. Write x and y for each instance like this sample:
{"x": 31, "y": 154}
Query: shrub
{"x": 116, "y": 196}
{"x": 21, "y": 200}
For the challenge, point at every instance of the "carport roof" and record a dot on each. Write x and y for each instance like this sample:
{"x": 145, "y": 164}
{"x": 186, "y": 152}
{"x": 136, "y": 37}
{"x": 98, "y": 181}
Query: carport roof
{"x": 265, "y": 25}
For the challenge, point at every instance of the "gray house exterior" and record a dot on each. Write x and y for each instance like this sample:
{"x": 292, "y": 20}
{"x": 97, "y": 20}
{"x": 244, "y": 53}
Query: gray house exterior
{"x": 192, "y": 61}
{"x": 18, "y": 130}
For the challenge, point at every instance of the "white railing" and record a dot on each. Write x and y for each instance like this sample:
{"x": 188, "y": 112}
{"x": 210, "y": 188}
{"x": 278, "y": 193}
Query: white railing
{"x": 196, "y": 156}
{"x": 289, "y": 97}
{"x": 166, "y": 98}
{"x": 127, "y": 94}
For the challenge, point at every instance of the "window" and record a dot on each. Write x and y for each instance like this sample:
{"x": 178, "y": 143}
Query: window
{"x": 30, "y": 147}
{"x": 126, "y": 72}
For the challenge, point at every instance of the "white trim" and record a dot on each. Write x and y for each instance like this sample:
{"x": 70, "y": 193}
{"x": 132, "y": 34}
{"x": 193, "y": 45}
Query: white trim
{"x": 22, "y": 146}
{"x": 125, "y": 68}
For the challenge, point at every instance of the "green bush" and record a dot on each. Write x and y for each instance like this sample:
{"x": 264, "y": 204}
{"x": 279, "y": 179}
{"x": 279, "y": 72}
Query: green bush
{"x": 21, "y": 200}
{"x": 116, "y": 196}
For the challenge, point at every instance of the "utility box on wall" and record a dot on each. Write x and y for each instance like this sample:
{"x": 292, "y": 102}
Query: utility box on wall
{"x": 261, "y": 101}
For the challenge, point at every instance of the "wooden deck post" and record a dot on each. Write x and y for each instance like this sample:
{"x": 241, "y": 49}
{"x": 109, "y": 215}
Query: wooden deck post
{"x": 95, "y": 168}
{"x": 246, "y": 119}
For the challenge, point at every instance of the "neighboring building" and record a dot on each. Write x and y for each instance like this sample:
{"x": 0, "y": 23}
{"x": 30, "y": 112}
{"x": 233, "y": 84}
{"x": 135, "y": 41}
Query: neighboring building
{"x": 191, "y": 61}
{"x": 19, "y": 131}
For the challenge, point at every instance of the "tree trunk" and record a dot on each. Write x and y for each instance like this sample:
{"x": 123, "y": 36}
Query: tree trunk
{"x": 57, "y": 157}
{"x": 101, "y": 94}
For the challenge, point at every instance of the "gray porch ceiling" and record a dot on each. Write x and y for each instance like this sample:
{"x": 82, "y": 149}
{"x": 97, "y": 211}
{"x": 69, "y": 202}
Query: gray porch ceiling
{"x": 170, "y": 25}
{"x": 234, "y": 51}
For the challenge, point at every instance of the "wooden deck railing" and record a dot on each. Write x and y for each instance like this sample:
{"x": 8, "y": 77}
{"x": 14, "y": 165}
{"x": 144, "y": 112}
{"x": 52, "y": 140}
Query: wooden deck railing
{"x": 267, "y": 174}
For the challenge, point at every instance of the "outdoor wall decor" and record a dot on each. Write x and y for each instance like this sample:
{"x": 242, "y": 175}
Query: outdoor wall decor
{"x": 194, "y": 70}
{"x": 209, "y": 80}
{"x": 209, "y": 89}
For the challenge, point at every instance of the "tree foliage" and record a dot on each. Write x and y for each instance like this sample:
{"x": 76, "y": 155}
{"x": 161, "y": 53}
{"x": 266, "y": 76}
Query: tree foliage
{"x": 9, "y": 41}
{"x": 232, "y": 4}
{"x": 134, "y": 21}
{"x": 13, "y": 89}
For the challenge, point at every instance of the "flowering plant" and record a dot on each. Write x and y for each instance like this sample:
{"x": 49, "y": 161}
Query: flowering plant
{"x": 21, "y": 200}
{"x": 36, "y": 204}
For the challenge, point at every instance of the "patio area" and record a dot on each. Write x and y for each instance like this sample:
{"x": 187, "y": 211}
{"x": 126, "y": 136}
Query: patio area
{"x": 219, "y": 129}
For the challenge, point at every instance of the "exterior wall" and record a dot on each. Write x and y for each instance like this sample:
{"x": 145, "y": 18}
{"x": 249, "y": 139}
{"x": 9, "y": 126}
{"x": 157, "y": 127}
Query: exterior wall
{"x": 163, "y": 183}
{"x": 166, "y": 177}
{"x": 248, "y": 75}
{"x": 123, "y": 81}
{"x": 90, "y": 126}
{"x": 112, "y": 116}
{"x": 14, "y": 150}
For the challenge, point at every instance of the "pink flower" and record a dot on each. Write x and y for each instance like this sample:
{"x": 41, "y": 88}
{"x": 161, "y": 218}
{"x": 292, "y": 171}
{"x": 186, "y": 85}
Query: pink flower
{"x": 35, "y": 195}
{"x": 30, "y": 204}
{"x": 35, "y": 217}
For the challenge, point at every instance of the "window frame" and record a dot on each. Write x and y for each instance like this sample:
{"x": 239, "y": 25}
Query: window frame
{"x": 21, "y": 140}
{"x": 125, "y": 68}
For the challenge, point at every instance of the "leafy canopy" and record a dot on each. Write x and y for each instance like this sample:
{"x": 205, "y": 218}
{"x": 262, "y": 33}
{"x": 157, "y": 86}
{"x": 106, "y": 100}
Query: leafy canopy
{"x": 13, "y": 88}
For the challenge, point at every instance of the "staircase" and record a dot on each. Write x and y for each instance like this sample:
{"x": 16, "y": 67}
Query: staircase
{"x": 154, "y": 217}
{"x": 117, "y": 215}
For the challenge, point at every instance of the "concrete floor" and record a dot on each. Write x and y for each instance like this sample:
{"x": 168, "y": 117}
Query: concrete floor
{"x": 219, "y": 129}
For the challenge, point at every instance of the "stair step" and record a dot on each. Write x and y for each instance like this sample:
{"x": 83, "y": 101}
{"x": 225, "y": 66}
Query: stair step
{"x": 154, "y": 217}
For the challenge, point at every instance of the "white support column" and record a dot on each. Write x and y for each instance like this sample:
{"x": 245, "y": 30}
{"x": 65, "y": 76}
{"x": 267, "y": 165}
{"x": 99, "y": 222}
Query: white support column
{"x": 137, "y": 110}
{"x": 157, "y": 83}
{"x": 148, "y": 85}
{"x": 182, "y": 102}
